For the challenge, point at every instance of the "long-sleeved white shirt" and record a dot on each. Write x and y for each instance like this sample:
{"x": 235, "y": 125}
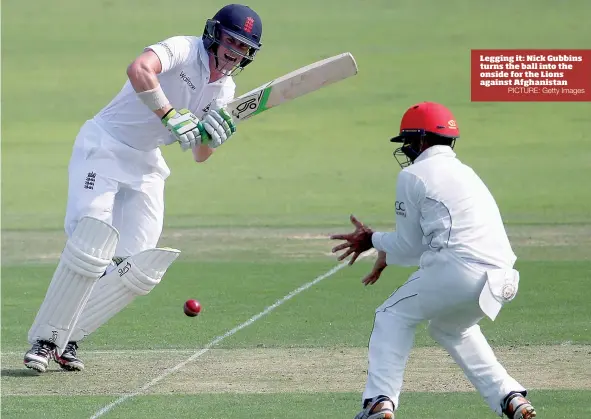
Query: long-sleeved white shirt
{"x": 184, "y": 80}
{"x": 443, "y": 204}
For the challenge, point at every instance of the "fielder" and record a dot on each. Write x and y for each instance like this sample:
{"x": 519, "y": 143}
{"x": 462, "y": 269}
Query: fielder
{"x": 448, "y": 224}
{"x": 176, "y": 92}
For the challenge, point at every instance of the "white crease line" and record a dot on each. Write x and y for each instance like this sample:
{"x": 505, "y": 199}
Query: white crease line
{"x": 91, "y": 352}
{"x": 220, "y": 338}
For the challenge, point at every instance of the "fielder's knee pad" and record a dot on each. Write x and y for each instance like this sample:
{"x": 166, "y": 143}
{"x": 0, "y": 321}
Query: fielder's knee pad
{"x": 84, "y": 259}
{"x": 136, "y": 275}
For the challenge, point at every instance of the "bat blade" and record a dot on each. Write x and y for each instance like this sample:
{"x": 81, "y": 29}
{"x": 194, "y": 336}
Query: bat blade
{"x": 293, "y": 85}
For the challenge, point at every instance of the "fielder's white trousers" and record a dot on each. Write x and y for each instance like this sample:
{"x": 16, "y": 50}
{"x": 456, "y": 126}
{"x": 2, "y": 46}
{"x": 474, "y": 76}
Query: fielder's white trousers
{"x": 444, "y": 292}
{"x": 117, "y": 184}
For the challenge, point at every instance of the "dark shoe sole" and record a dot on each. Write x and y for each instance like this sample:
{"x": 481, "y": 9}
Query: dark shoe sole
{"x": 70, "y": 366}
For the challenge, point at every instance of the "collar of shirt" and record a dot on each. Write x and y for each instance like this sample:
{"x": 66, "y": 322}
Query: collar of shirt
{"x": 434, "y": 151}
{"x": 204, "y": 56}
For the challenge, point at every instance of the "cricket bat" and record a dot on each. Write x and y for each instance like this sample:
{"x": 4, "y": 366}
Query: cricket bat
{"x": 293, "y": 85}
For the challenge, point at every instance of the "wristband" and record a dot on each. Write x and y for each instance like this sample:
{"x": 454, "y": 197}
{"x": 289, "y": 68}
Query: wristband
{"x": 154, "y": 99}
{"x": 171, "y": 112}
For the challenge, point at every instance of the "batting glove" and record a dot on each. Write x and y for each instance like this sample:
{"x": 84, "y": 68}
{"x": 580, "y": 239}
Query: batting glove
{"x": 185, "y": 127}
{"x": 219, "y": 126}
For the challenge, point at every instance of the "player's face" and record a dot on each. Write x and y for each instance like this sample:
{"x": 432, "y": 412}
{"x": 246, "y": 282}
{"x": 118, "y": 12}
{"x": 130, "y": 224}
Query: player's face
{"x": 230, "y": 52}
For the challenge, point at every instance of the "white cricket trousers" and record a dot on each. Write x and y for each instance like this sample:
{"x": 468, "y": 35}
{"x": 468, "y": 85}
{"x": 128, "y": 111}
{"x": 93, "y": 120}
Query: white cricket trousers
{"x": 444, "y": 292}
{"x": 117, "y": 184}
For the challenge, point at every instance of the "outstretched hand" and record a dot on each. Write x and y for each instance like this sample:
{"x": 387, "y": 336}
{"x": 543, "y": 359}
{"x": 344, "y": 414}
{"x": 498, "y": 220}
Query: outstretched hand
{"x": 356, "y": 242}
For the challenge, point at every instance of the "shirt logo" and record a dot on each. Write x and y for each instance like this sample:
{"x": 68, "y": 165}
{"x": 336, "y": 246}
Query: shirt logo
{"x": 187, "y": 80}
{"x": 400, "y": 208}
{"x": 90, "y": 179}
{"x": 167, "y": 48}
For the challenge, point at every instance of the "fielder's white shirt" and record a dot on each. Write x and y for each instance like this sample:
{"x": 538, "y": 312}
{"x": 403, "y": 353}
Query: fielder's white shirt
{"x": 184, "y": 80}
{"x": 443, "y": 204}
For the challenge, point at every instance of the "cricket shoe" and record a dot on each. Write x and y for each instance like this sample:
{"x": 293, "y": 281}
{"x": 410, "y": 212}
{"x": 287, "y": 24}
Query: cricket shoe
{"x": 37, "y": 358}
{"x": 516, "y": 406}
{"x": 380, "y": 407}
{"x": 68, "y": 359}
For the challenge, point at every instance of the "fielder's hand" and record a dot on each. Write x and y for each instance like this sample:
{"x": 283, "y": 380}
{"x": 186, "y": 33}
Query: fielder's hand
{"x": 219, "y": 126}
{"x": 356, "y": 243}
{"x": 376, "y": 272}
{"x": 185, "y": 127}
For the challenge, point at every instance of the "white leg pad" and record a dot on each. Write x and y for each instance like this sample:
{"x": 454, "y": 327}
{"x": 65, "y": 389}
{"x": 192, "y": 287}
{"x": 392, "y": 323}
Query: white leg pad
{"x": 136, "y": 275}
{"x": 84, "y": 259}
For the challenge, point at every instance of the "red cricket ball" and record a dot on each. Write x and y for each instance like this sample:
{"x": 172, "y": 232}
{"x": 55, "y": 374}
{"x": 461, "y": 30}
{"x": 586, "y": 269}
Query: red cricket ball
{"x": 192, "y": 308}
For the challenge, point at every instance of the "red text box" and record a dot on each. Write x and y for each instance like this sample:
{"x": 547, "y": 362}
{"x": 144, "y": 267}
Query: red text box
{"x": 530, "y": 75}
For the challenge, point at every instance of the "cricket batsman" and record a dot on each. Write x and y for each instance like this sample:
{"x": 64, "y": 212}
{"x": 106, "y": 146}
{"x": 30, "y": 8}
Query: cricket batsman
{"x": 176, "y": 93}
{"x": 449, "y": 225}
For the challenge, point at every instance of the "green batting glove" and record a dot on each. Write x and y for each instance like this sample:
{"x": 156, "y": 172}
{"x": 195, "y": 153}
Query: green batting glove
{"x": 219, "y": 126}
{"x": 185, "y": 127}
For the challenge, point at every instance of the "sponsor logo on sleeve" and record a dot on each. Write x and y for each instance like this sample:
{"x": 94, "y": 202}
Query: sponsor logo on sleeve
{"x": 400, "y": 208}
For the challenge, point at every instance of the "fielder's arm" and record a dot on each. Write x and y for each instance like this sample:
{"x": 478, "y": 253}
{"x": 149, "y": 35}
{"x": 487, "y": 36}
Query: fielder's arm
{"x": 404, "y": 246}
{"x": 142, "y": 74}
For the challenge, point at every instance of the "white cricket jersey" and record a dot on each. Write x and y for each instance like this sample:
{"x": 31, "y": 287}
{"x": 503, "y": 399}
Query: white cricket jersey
{"x": 443, "y": 204}
{"x": 184, "y": 80}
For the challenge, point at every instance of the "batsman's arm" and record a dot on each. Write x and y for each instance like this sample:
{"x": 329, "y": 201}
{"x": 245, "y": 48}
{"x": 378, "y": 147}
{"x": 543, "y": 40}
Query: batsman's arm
{"x": 202, "y": 153}
{"x": 142, "y": 74}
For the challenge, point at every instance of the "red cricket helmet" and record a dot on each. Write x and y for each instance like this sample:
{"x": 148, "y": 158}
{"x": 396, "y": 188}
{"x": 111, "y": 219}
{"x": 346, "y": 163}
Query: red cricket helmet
{"x": 425, "y": 119}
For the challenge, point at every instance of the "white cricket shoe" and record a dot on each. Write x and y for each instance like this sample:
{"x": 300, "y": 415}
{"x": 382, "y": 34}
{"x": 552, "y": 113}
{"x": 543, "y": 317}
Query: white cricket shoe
{"x": 380, "y": 407}
{"x": 516, "y": 406}
{"x": 37, "y": 358}
{"x": 68, "y": 359}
